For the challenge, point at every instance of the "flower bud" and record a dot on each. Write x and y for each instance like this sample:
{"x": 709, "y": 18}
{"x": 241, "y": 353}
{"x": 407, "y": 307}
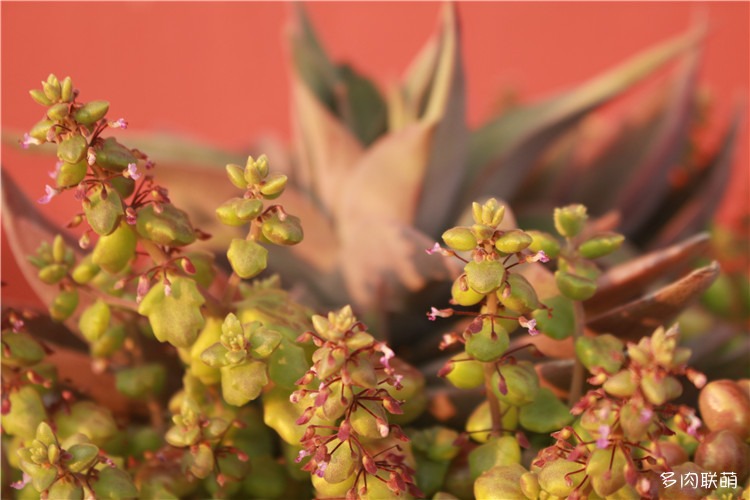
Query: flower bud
{"x": 575, "y": 287}
{"x": 600, "y": 245}
{"x": 273, "y": 186}
{"x": 248, "y": 258}
{"x": 71, "y": 174}
{"x": 485, "y": 276}
{"x": 513, "y": 241}
{"x": 58, "y": 112}
{"x": 282, "y": 232}
{"x": 114, "y": 251}
{"x": 460, "y": 239}
{"x": 91, "y": 112}
{"x": 73, "y": 149}
{"x": 569, "y": 220}
{"x": 94, "y": 321}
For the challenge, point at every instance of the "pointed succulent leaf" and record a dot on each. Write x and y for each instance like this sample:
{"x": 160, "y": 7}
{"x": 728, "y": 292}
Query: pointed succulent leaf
{"x": 91, "y": 112}
{"x": 638, "y": 318}
{"x": 511, "y": 143}
{"x": 513, "y": 241}
{"x": 214, "y": 355}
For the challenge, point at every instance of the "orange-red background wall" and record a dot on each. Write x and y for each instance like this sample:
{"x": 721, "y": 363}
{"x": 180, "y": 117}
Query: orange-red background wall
{"x": 217, "y": 71}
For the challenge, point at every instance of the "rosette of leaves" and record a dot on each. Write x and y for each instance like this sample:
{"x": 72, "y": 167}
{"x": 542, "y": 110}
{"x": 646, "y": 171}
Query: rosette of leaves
{"x": 76, "y": 470}
{"x": 625, "y": 433}
{"x": 242, "y": 355}
{"x": 351, "y": 388}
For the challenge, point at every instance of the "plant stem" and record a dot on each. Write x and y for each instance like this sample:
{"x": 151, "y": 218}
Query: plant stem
{"x": 576, "y": 383}
{"x": 489, "y": 370}
{"x": 156, "y": 253}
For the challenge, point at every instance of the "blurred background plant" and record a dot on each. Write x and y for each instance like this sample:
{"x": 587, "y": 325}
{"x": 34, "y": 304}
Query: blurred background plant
{"x": 377, "y": 177}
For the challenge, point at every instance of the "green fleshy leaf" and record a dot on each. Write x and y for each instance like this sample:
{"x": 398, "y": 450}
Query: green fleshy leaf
{"x": 174, "y": 318}
{"x": 545, "y": 414}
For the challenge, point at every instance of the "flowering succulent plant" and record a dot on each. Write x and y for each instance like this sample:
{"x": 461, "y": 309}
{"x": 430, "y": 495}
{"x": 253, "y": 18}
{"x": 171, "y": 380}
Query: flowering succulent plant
{"x": 269, "y": 400}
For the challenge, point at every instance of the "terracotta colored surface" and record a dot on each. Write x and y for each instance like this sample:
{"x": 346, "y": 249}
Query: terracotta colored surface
{"x": 216, "y": 71}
